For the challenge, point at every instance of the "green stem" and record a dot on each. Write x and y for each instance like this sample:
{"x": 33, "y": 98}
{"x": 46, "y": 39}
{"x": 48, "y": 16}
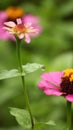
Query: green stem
{"x": 69, "y": 115}
{"x": 18, "y": 47}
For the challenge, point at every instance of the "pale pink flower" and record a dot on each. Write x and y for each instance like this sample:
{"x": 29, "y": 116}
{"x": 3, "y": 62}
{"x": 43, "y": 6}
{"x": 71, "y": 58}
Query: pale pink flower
{"x": 11, "y": 14}
{"x": 24, "y": 29}
{"x": 58, "y": 83}
{"x": 34, "y": 22}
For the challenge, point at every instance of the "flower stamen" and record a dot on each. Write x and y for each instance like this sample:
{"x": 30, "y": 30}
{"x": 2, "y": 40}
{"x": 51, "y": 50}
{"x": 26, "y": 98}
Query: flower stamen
{"x": 69, "y": 73}
{"x": 20, "y": 28}
{"x": 67, "y": 82}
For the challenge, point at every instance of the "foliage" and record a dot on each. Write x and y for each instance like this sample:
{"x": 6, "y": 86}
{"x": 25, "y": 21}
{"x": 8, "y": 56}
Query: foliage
{"x": 53, "y": 49}
{"x": 28, "y": 68}
{"x": 23, "y": 118}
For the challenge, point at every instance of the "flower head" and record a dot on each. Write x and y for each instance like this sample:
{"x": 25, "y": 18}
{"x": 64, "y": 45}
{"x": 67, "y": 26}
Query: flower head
{"x": 11, "y": 13}
{"x": 25, "y": 28}
{"x": 58, "y": 83}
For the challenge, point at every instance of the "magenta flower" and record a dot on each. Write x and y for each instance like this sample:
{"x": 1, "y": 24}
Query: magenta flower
{"x": 24, "y": 29}
{"x": 58, "y": 83}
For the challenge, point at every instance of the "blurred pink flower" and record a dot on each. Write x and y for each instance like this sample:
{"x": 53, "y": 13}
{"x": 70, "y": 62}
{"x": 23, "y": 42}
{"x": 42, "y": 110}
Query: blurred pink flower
{"x": 24, "y": 29}
{"x": 4, "y": 35}
{"x": 58, "y": 83}
{"x": 34, "y": 22}
{"x": 11, "y": 14}
{"x": 3, "y": 16}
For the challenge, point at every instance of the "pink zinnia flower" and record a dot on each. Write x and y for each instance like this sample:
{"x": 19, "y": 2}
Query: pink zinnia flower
{"x": 11, "y": 14}
{"x": 58, "y": 83}
{"x": 24, "y": 29}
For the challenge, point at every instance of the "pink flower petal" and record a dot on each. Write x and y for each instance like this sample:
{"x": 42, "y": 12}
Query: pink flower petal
{"x": 32, "y": 23}
{"x": 36, "y": 32}
{"x": 3, "y": 16}
{"x": 69, "y": 98}
{"x": 54, "y": 92}
{"x": 43, "y": 84}
{"x": 21, "y": 36}
{"x": 49, "y": 89}
{"x": 19, "y": 21}
{"x": 30, "y": 19}
{"x": 27, "y": 38}
{"x": 28, "y": 25}
{"x": 53, "y": 77}
{"x": 10, "y": 24}
{"x": 4, "y": 35}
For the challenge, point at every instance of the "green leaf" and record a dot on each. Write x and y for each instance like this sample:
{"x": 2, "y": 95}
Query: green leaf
{"x": 28, "y": 68}
{"x": 43, "y": 124}
{"x": 9, "y": 74}
{"x": 22, "y": 116}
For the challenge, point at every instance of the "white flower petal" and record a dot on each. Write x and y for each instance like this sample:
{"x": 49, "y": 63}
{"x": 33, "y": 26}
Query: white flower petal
{"x": 10, "y": 24}
{"x": 21, "y": 36}
{"x": 27, "y": 38}
{"x": 19, "y": 21}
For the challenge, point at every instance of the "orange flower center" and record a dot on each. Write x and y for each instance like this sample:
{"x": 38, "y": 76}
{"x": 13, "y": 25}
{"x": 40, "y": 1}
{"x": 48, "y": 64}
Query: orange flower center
{"x": 20, "y": 28}
{"x": 14, "y": 12}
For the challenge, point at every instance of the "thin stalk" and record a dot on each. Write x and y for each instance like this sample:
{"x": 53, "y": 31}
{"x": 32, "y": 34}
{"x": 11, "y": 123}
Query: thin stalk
{"x": 72, "y": 56}
{"x": 18, "y": 48}
{"x": 69, "y": 115}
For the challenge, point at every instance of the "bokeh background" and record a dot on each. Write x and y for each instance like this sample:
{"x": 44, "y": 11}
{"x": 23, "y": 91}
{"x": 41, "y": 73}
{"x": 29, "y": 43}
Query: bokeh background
{"x": 53, "y": 48}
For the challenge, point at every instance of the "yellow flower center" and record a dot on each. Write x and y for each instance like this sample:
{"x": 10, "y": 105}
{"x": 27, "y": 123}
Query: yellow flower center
{"x": 69, "y": 73}
{"x": 14, "y": 12}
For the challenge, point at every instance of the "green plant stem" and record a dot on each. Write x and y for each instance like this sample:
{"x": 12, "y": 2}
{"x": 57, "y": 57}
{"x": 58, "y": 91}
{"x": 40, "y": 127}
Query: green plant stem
{"x": 18, "y": 48}
{"x": 69, "y": 115}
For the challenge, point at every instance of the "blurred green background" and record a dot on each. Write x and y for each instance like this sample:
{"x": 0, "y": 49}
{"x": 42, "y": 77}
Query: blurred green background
{"x": 53, "y": 48}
